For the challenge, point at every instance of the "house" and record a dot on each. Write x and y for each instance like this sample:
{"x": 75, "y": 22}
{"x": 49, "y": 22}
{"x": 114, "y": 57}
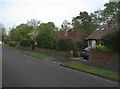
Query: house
{"x": 95, "y": 38}
{"x": 74, "y": 35}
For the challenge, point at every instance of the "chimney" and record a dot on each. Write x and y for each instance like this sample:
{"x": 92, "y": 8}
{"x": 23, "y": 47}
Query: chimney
{"x": 110, "y": 24}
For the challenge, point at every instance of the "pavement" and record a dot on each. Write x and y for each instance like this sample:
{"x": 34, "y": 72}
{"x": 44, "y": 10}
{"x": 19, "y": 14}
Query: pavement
{"x": 19, "y": 70}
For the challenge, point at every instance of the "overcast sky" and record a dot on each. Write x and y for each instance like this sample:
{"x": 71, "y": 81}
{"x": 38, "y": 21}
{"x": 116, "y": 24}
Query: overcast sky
{"x": 14, "y": 12}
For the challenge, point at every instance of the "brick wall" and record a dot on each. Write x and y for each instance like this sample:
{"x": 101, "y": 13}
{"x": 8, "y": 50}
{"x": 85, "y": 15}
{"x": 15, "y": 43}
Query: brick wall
{"x": 54, "y": 52}
{"x": 110, "y": 58}
{"x": 50, "y": 51}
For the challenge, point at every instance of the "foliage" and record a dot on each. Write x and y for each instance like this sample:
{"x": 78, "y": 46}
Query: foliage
{"x": 83, "y": 22}
{"x": 46, "y": 28}
{"x": 65, "y": 25}
{"x": 102, "y": 48}
{"x": 110, "y": 12}
{"x": 12, "y": 43}
{"x": 24, "y": 30}
{"x": 80, "y": 45}
{"x": 45, "y": 37}
{"x": 33, "y": 23}
{"x": 45, "y": 41}
{"x": 112, "y": 41}
{"x": 20, "y": 32}
{"x": 64, "y": 44}
{"x": 26, "y": 42}
{"x": 77, "y": 48}
{"x": 14, "y": 35}
{"x": 76, "y": 53}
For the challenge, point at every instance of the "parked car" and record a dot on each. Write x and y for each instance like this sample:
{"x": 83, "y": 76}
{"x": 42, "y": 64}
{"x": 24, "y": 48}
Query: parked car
{"x": 85, "y": 53}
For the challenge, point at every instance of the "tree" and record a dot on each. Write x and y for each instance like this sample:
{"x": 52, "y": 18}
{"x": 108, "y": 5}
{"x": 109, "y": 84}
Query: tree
{"x": 14, "y": 35}
{"x": 24, "y": 30}
{"x": 84, "y": 22}
{"x": 76, "y": 24}
{"x": 34, "y": 24}
{"x": 45, "y": 36}
{"x": 65, "y": 25}
{"x": 98, "y": 17}
{"x": 110, "y": 12}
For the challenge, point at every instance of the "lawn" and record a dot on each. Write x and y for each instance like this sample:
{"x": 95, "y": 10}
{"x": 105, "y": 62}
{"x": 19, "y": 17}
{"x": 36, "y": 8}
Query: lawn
{"x": 93, "y": 70}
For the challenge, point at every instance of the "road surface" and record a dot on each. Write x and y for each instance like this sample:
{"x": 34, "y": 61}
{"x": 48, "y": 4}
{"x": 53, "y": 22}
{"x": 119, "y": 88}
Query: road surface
{"x": 19, "y": 70}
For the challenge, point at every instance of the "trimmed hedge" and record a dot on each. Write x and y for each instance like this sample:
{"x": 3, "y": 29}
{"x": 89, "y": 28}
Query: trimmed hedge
{"x": 64, "y": 44}
{"x": 112, "y": 41}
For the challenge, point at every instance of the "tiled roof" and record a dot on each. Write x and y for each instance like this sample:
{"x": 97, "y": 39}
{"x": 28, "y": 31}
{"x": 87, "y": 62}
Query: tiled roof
{"x": 101, "y": 31}
{"x": 76, "y": 34}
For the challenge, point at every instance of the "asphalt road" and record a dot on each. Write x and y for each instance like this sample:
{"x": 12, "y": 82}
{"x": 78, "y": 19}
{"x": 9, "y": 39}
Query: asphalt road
{"x": 19, "y": 70}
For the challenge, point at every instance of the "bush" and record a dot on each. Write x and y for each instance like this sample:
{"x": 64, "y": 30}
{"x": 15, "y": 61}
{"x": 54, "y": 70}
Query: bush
{"x": 102, "y": 48}
{"x": 64, "y": 44}
{"x": 26, "y": 42}
{"x": 112, "y": 41}
{"x": 76, "y": 53}
{"x": 45, "y": 41}
{"x": 12, "y": 43}
{"x": 79, "y": 45}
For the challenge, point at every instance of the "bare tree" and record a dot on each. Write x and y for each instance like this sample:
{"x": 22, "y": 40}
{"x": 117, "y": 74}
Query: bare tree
{"x": 34, "y": 24}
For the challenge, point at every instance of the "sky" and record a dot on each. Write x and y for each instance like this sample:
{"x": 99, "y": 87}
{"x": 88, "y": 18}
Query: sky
{"x": 15, "y": 12}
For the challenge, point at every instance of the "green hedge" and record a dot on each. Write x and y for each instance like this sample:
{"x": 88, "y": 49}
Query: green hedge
{"x": 45, "y": 41}
{"x": 26, "y": 42}
{"x": 64, "y": 44}
{"x": 112, "y": 41}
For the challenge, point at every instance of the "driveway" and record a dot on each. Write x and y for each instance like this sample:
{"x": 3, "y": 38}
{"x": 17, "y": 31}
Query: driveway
{"x": 19, "y": 70}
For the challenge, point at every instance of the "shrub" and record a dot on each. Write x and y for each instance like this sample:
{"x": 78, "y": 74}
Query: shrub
{"x": 45, "y": 41}
{"x": 12, "y": 43}
{"x": 76, "y": 53}
{"x": 102, "y": 48}
{"x": 79, "y": 45}
{"x": 26, "y": 42}
{"x": 64, "y": 44}
{"x": 77, "y": 48}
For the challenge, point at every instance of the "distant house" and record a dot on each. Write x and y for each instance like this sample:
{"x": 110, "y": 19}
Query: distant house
{"x": 75, "y": 34}
{"x": 95, "y": 38}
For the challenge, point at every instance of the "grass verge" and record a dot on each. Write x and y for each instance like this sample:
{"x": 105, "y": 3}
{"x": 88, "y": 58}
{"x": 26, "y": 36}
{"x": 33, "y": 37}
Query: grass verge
{"x": 11, "y": 48}
{"x": 93, "y": 70}
{"x": 33, "y": 54}
{"x": 38, "y": 55}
